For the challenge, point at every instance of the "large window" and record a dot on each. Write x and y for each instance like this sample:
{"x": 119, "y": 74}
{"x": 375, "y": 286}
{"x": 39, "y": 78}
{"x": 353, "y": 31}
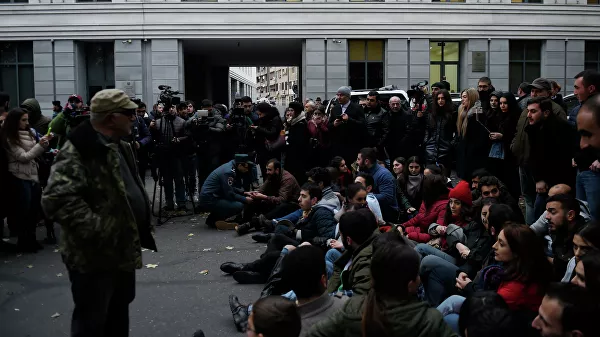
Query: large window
{"x": 100, "y": 66}
{"x": 13, "y": 1}
{"x": 16, "y": 71}
{"x": 592, "y": 55}
{"x": 366, "y": 64}
{"x": 525, "y": 62}
{"x": 443, "y": 58}
{"x": 93, "y": 0}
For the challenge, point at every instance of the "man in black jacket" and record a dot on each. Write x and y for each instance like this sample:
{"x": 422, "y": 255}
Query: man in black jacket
{"x": 347, "y": 127}
{"x": 403, "y": 140}
{"x": 377, "y": 121}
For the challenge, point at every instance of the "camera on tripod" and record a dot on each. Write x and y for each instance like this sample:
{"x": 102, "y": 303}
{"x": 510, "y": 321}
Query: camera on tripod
{"x": 166, "y": 96}
{"x": 416, "y": 96}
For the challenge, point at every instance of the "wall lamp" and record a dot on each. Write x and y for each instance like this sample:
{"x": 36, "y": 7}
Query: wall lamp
{"x": 336, "y": 41}
{"x": 126, "y": 41}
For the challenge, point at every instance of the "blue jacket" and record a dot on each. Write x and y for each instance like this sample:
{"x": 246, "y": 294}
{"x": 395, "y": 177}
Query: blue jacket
{"x": 385, "y": 187}
{"x": 220, "y": 185}
{"x": 572, "y": 117}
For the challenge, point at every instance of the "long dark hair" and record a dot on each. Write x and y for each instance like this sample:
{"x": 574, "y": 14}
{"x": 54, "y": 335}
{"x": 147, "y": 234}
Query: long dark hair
{"x": 394, "y": 265}
{"x": 434, "y": 188}
{"x": 504, "y": 122}
{"x": 500, "y": 215}
{"x": 466, "y": 214}
{"x": 406, "y": 173}
{"x": 530, "y": 264}
{"x": 591, "y": 268}
{"x": 336, "y": 161}
{"x": 438, "y": 111}
{"x": 10, "y": 128}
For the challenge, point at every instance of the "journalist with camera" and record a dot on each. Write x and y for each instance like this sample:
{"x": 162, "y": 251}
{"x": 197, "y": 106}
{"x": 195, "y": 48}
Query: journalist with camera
{"x": 73, "y": 114}
{"x": 139, "y": 139}
{"x": 168, "y": 133}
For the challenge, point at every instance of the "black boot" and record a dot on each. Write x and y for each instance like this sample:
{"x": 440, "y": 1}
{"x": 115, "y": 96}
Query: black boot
{"x": 243, "y": 228}
{"x": 232, "y": 267}
{"x": 50, "y": 235}
{"x": 274, "y": 285}
{"x": 249, "y": 277}
{"x": 239, "y": 312}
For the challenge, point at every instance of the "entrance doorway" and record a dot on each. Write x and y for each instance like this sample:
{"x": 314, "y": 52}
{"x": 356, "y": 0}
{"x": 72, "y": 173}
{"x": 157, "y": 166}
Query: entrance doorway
{"x": 444, "y": 60}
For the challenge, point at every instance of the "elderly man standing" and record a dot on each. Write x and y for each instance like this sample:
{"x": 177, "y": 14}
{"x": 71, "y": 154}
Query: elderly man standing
{"x": 347, "y": 127}
{"x": 405, "y": 135}
{"x": 98, "y": 198}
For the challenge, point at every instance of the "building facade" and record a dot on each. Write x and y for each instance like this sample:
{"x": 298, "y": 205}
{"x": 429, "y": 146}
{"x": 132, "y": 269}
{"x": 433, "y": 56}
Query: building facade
{"x": 277, "y": 84}
{"x": 51, "y": 49}
{"x": 242, "y": 82}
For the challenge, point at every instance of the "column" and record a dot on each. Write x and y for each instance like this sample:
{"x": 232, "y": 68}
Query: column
{"x": 499, "y": 64}
{"x": 477, "y": 46}
{"x": 128, "y": 67}
{"x": 313, "y": 67}
{"x": 166, "y": 64}
{"x": 419, "y": 60}
{"x": 554, "y": 61}
{"x": 397, "y": 63}
{"x": 43, "y": 74}
{"x": 337, "y": 65}
{"x": 575, "y": 63}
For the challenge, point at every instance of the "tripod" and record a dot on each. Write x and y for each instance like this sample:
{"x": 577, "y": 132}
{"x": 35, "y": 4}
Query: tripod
{"x": 159, "y": 181}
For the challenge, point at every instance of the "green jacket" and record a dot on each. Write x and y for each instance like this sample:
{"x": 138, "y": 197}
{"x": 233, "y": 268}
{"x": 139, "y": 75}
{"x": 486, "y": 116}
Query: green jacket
{"x": 86, "y": 195}
{"x": 406, "y": 318}
{"x": 520, "y": 145}
{"x": 358, "y": 276}
{"x": 60, "y": 127}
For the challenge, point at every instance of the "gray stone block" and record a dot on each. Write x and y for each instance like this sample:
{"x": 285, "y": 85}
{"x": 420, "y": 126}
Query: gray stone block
{"x": 555, "y": 58}
{"x": 165, "y": 45}
{"x": 575, "y": 45}
{"x": 340, "y": 47}
{"x": 337, "y": 58}
{"x": 419, "y": 45}
{"x": 42, "y": 60}
{"x": 400, "y": 82}
{"x": 477, "y": 45}
{"x": 498, "y": 71}
{"x": 419, "y": 72}
{"x": 165, "y": 58}
{"x": 64, "y": 46}
{"x": 315, "y": 58}
{"x": 498, "y": 57}
{"x": 64, "y": 59}
{"x": 65, "y": 88}
{"x": 315, "y": 72}
{"x": 129, "y": 73}
{"x": 553, "y": 72}
{"x": 337, "y": 72}
{"x": 134, "y": 46}
{"x": 334, "y": 84}
{"x": 397, "y": 57}
{"x": 555, "y": 45}
{"x": 419, "y": 58}
{"x": 65, "y": 73}
{"x": 156, "y": 82}
{"x": 137, "y": 85}
{"x": 576, "y": 58}
{"x": 43, "y": 74}
{"x": 42, "y": 47}
{"x": 501, "y": 84}
{"x": 43, "y": 87}
{"x": 573, "y": 70}
{"x": 499, "y": 45}
{"x": 397, "y": 45}
{"x": 128, "y": 59}
{"x": 397, "y": 71}
{"x": 315, "y": 45}
{"x": 165, "y": 72}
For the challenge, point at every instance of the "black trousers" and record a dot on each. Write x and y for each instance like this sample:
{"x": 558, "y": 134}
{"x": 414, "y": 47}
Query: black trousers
{"x": 270, "y": 211}
{"x": 101, "y": 303}
{"x": 269, "y": 258}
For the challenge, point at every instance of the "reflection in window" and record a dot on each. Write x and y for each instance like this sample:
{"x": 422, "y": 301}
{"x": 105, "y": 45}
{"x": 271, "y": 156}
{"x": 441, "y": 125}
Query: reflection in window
{"x": 16, "y": 71}
{"x": 366, "y": 64}
{"x": 443, "y": 58}
{"x": 100, "y": 66}
{"x": 524, "y": 62}
{"x": 592, "y": 55}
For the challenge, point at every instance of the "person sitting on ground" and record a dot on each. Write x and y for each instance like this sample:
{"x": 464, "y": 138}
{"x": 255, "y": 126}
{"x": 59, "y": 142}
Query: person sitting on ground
{"x": 432, "y": 210}
{"x": 366, "y": 180}
{"x": 391, "y": 306}
{"x": 567, "y": 310}
{"x": 316, "y": 221}
{"x": 301, "y": 277}
{"x": 585, "y": 240}
{"x": 342, "y": 174}
{"x": 276, "y": 197}
{"x": 492, "y": 187}
{"x": 587, "y": 273}
{"x": 220, "y": 197}
{"x": 541, "y": 228}
{"x": 485, "y": 314}
{"x": 477, "y": 174}
{"x": 385, "y": 184}
{"x": 274, "y": 316}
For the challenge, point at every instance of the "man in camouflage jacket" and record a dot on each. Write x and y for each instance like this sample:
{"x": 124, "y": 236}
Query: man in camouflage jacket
{"x": 97, "y": 197}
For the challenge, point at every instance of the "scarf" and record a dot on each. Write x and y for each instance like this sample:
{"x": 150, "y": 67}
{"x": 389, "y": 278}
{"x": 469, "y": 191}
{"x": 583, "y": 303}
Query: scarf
{"x": 300, "y": 117}
{"x": 413, "y": 185}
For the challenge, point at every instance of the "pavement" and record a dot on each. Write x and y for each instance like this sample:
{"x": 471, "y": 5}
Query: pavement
{"x": 172, "y": 299}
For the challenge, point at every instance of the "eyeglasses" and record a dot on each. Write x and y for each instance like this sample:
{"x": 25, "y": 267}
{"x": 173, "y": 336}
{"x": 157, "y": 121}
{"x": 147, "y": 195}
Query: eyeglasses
{"x": 487, "y": 193}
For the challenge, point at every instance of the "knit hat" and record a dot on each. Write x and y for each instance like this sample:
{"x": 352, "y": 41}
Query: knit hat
{"x": 344, "y": 91}
{"x": 462, "y": 192}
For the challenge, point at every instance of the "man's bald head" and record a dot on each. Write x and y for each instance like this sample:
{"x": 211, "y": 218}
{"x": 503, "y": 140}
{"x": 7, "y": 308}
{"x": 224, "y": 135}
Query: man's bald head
{"x": 559, "y": 189}
{"x": 395, "y": 103}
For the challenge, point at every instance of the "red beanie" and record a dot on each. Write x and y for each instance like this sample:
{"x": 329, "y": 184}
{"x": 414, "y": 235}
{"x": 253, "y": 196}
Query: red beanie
{"x": 462, "y": 192}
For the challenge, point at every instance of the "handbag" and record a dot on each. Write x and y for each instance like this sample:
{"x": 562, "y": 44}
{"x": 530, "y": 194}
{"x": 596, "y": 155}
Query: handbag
{"x": 497, "y": 150}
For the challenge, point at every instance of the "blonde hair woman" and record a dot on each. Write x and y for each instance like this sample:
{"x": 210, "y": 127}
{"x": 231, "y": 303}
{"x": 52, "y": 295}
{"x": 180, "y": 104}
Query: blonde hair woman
{"x": 472, "y": 138}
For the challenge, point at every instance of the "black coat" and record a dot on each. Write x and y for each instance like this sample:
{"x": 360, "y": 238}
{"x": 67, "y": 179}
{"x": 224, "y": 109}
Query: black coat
{"x": 297, "y": 150}
{"x": 377, "y": 121}
{"x": 553, "y": 144}
{"x": 405, "y": 135}
{"x": 438, "y": 138}
{"x": 348, "y": 138}
{"x": 472, "y": 149}
{"x": 268, "y": 129}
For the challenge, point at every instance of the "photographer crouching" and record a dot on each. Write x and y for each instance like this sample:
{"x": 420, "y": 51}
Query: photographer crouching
{"x": 168, "y": 133}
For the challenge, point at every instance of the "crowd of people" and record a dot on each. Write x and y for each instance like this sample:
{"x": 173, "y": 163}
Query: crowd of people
{"x": 365, "y": 232}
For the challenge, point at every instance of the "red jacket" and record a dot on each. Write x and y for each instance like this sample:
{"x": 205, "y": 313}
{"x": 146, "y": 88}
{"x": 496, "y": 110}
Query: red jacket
{"x": 416, "y": 228}
{"x": 520, "y": 296}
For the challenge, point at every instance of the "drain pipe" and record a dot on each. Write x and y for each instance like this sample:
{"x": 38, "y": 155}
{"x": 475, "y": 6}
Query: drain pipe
{"x": 53, "y": 70}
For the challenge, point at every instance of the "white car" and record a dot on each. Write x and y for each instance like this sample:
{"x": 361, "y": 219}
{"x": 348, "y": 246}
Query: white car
{"x": 385, "y": 94}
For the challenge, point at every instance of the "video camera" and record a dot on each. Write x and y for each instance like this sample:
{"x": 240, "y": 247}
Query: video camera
{"x": 75, "y": 115}
{"x": 166, "y": 96}
{"x": 416, "y": 95}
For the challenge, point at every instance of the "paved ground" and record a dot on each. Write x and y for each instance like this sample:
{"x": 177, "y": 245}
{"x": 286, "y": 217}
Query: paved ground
{"x": 173, "y": 299}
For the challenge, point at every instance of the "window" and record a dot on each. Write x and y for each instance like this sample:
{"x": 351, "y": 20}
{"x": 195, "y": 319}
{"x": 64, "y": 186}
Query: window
{"x": 447, "y": 0}
{"x": 525, "y": 62}
{"x": 100, "y": 66}
{"x": 443, "y": 58}
{"x": 592, "y": 55}
{"x": 366, "y": 64}
{"x": 13, "y": 1}
{"x": 593, "y": 2}
{"x": 94, "y": 0}
{"x": 527, "y": 1}
{"x": 16, "y": 71}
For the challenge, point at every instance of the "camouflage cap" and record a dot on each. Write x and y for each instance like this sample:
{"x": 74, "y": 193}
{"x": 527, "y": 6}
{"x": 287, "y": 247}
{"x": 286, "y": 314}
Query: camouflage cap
{"x": 110, "y": 100}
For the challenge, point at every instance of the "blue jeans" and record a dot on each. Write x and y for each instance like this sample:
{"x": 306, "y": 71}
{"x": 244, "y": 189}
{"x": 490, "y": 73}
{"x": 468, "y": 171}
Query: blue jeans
{"x": 588, "y": 189}
{"x": 438, "y": 276}
{"x": 293, "y": 217}
{"x": 290, "y": 295}
{"x": 540, "y": 204}
{"x": 450, "y": 309}
{"x": 528, "y": 191}
{"x": 221, "y": 209}
{"x": 330, "y": 257}
{"x": 425, "y": 250}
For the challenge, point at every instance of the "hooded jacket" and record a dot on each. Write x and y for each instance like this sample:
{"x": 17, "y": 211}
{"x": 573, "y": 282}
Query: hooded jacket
{"x": 37, "y": 121}
{"x": 21, "y": 157}
{"x": 405, "y": 318}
